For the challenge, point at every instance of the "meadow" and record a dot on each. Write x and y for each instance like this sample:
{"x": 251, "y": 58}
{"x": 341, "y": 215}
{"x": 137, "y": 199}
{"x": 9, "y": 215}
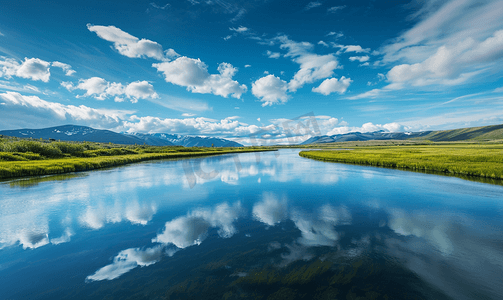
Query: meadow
{"x": 483, "y": 160}
{"x": 25, "y": 157}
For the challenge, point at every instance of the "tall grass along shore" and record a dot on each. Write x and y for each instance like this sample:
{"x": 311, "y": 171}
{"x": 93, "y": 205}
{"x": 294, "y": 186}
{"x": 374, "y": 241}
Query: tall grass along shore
{"x": 479, "y": 160}
{"x": 23, "y": 157}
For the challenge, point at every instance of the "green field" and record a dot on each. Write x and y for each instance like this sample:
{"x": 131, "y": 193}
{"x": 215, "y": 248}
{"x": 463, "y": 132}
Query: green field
{"x": 460, "y": 159}
{"x": 22, "y": 157}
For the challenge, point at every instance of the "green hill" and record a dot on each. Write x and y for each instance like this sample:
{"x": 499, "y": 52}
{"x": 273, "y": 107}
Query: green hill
{"x": 483, "y": 133}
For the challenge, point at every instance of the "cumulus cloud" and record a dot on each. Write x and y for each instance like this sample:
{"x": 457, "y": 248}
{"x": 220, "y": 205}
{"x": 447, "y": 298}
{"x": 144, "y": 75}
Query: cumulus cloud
{"x": 193, "y": 74}
{"x": 351, "y": 48}
{"x": 31, "y": 68}
{"x": 270, "y": 210}
{"x": 131, "y": 46}
{"x": 360, "y": 58}
{"x": 332, "y": 85}
{"x": 270, "y": 90}
{"x": 127, "y": 260}
{"x": 34, "y": 69}
{"x": 193, "y": 229}
{"x": 93, "y": 86}
{"x": 312, "y": 66}
{"x": 101, "y": 89}
{"x": 183, "y": 71}
{"x": 140, "y": 90}
{"x": 271, "y": 54}
{"x": 66, "y": 67}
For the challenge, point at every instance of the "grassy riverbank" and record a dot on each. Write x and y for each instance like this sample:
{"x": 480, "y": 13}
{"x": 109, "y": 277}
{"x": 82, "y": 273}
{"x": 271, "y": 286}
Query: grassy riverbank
{"x": 480, "y": 160}
{"x": 20, "y": 157}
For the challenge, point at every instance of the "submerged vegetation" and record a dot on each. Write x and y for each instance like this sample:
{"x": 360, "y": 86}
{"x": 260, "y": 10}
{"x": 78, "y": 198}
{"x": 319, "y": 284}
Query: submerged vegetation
{"x": 26, "y": 157}
{"x": 458, "y": 159}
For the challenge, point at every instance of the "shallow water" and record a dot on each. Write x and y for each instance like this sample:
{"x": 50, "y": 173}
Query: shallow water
{"x": 263, "y": 226}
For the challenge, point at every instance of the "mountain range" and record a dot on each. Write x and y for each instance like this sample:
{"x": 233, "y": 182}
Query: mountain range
{"x": 491, "y": 132}
{"x": 84, "y": 133}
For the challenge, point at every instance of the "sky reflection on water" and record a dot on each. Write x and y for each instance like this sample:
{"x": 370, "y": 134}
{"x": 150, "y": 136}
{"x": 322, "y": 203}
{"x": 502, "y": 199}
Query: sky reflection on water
{"x": 156, "y": 230}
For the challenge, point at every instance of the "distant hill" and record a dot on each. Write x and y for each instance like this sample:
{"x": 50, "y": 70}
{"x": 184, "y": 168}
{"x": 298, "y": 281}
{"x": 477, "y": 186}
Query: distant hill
{"x": 84, "y": 133}
{"x": 473, "y": 133}
{"x": 492, "y": 132}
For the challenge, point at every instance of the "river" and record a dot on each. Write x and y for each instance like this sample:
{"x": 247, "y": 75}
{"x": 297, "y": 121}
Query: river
{"x": 269, "y": 225}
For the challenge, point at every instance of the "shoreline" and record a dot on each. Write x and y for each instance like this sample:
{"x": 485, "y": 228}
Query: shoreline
{"x": 465, "y": 163}
{"x": 25, "y": 169}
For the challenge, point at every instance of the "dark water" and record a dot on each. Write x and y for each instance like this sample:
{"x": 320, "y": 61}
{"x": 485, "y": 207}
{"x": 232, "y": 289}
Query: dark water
{"x": 273, "y": 226}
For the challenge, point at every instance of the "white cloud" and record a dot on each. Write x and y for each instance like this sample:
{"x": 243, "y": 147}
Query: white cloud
{"x": 31, "y": 68}
{"x": 14, "y": 86}
{"x": 93, "y": 86}
{"x": 193, "y": 74}
{"x": 34, "y": 69}
{"x": 351, "y": 48}
{"x": 312, "y": 66}
{"x": 247, "y": 66}
{"x": 127, "y": 260}
{"x": 271, "y": 54}
{"x": 131, "y": 46}
{"x": 323, "y": 43}
{"x": 335, "y": 34}
{"x": 240, "y": 29}
{"x": 334, "y": 9}
{"x": 451, "y": 65}
{"x": 452, "y": 42}
{"x": 188, "y": 115}
{"x": 332, "y": 85}
{"x": 192, "y": 229}
{"x": 312, "y": 5}
{"x": 369, "y": 127}
{"x": 9, "y": 67}
{"x": 271, "y": 90}
{"x": 360, "y": 58}
{"x": 140, "y": 90}
{"x": 66, "y": 67}
{"x": 19, "y": 111}
{"x": 100, "y": 89}
{"x": 270, "y": 210}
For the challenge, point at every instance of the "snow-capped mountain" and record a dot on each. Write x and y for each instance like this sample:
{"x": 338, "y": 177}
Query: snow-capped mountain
{"x": 84, "y": 133}
{"x": 189, "y": 141}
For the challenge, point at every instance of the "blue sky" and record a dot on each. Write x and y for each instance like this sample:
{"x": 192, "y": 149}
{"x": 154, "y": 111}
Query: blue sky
{"x": 238, "y": 68}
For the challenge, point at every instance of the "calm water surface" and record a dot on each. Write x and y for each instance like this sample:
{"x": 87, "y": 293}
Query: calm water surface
{"x": 268, "y": 226}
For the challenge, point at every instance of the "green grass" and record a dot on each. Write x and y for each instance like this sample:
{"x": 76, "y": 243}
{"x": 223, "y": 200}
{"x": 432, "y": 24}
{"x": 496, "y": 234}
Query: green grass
{"x": 22, "y": 157}
{"x": 478, "y": 160}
